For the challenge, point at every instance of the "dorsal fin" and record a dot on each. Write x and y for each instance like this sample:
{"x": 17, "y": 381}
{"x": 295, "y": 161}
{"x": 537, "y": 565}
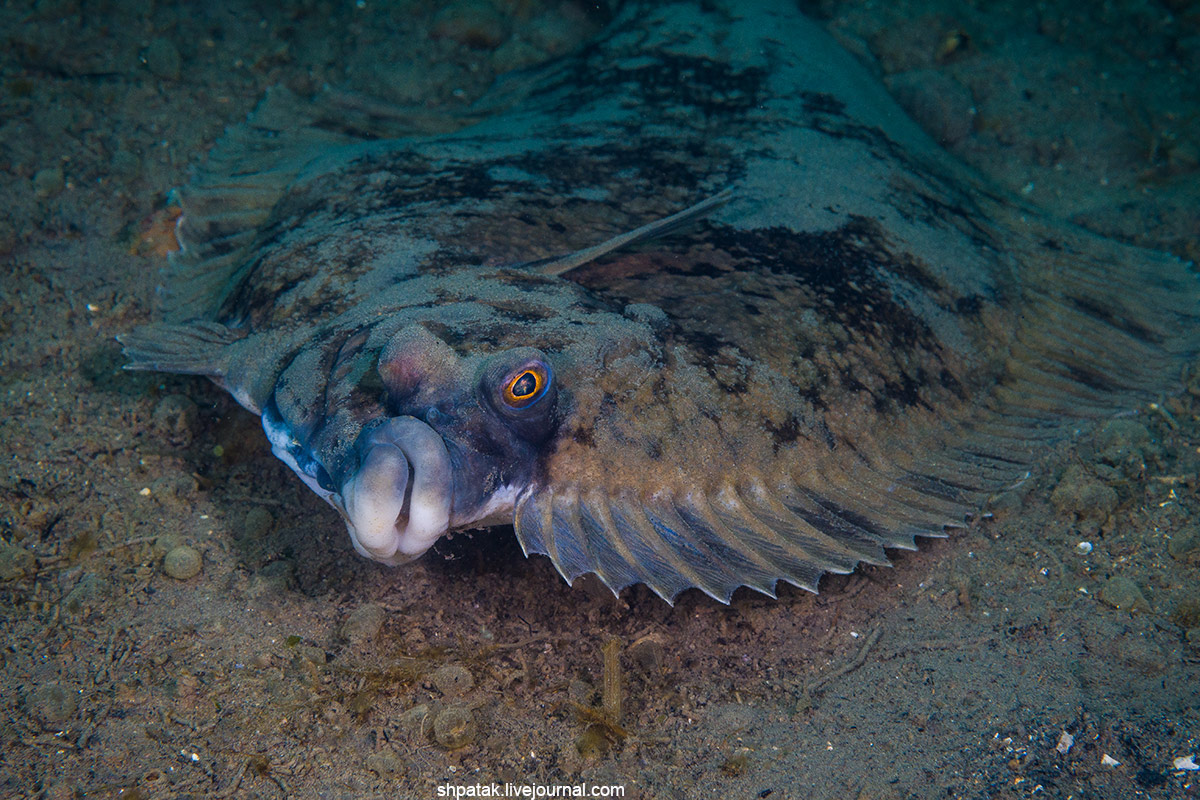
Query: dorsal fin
{"x": 559, "y": 265}
{"x": 1103, "y": 328}
{"x": 253, "y": 165}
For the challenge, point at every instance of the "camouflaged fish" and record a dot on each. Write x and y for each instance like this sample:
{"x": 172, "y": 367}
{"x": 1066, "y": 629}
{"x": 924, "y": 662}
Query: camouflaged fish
{"x": 697, "y": 306}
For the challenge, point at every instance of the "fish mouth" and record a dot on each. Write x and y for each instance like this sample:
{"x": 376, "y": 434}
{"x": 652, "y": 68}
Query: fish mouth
{"x": 397, "y": 502}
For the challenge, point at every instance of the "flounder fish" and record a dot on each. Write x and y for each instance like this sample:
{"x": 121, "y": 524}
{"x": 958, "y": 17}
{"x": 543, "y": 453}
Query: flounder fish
{"x": 695, "y": 306}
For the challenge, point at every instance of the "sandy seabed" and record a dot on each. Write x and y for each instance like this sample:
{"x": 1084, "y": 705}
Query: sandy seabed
{"x": 1051, "y": 651}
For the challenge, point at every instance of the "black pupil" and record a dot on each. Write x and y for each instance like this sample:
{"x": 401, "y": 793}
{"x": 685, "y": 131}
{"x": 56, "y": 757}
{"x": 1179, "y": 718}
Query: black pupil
{"x": 525, "y": 385}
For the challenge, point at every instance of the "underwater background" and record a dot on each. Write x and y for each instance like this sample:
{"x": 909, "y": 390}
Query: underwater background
{"x": 183, "y": 619}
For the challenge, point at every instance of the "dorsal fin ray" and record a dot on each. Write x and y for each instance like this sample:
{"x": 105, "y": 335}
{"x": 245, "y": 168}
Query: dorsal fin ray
{"x": 559, "y": 265}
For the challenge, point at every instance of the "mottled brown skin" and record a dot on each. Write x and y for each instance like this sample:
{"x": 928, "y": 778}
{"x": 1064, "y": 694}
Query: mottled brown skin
{"x": 855, "y": 349}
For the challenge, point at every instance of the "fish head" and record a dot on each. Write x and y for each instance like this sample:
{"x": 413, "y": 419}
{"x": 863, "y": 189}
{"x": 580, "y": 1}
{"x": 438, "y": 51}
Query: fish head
{"x": 461, "y": 437}
{"x": 465, "y": 431}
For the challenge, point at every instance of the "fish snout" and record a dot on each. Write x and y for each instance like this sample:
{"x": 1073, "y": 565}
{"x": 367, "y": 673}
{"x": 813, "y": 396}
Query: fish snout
{"x": 397, "y": 501}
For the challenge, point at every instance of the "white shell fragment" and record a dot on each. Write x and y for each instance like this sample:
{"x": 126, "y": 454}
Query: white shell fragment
{"x": 1185, "y": 763}
{"x": 1065, "y": 741}
{"x": 1109, "y": 761}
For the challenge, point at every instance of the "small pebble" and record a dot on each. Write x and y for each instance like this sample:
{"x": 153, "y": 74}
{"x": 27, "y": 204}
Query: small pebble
{"x": 257, "y": 523}
{"x": 452, "y": 680}
{"x": 1186, "y": 613}
{"x": 1119, "y": 437}
{"x": 173, "y": 486}
{"x": 15, "y": 562}
{"x": 272, "y": 580}
{"x": 163, "y": 59}
{"x": 385, "y": 762}
{"x": 174, "y": 419}
{"x": 1121, "y": 592}
{"x": 1079, "y": 493}
{"x": 363, "y": 624}
{"x": 454, "y": 727}
{"x": 1184, "y": 545}
{"x": 48, "y": 182}
{"x": 54, "y": 703}
{"x": 182, "y": 562}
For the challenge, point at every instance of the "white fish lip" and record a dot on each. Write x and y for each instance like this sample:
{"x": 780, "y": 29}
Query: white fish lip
{"x": 397, "y": 503}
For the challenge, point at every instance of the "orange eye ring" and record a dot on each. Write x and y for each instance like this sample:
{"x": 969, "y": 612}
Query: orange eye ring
{"x": 526, "y": 386}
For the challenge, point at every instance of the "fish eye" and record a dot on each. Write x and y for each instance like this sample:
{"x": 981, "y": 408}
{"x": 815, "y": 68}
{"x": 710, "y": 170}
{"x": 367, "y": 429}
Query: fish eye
{"x": 519, "y": 385}
{"x": 526, "y": 385}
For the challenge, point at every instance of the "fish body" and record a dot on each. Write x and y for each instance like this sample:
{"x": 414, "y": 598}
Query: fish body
{"x": 857, "y": 343}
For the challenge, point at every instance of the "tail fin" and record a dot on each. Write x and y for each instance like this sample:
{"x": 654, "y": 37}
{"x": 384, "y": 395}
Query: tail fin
{"x": 196, "y": 349}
